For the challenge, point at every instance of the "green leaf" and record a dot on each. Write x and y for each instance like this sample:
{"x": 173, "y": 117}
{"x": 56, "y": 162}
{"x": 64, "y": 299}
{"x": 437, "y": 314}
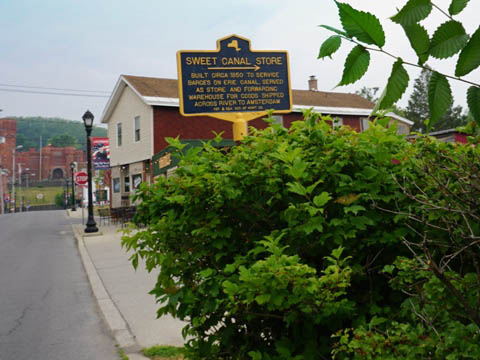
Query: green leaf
{"x": 206, "y": 273}
{"x": 469, "y": 58}
{"x": 448, "y": 39}
{"x": 321, "y": 199}
{"x": 413, "y": 12}
{"x": 354, "y": 209}
{"x": 356, "y": 65}
{"x": 297, "y": 188}
{"x": 330, "y": 46}
{"x": 298, "y": 168}
{"x": 313, "y": 186}
{"x": 396, "y": 85}
{"x": 439, "y": 96}
{"x": 419, "y": 40}
{"x": 262, "y": 299}
{"x": 339, "y": 32}
{"x": 473, "y": 101}
{"x": 457, "y": 6}
{"x": 376, "y": 321}
{"x": 314, "y": 224}
{"x": 362, "y": 25}
{"x": 388, "y": 269}
{"x": 336, "y": 253}
{"x": 255, "y": 355}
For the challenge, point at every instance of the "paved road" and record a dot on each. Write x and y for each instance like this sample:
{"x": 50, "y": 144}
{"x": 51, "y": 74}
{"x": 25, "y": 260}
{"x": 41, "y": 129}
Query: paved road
{"x": 47, "y": 310}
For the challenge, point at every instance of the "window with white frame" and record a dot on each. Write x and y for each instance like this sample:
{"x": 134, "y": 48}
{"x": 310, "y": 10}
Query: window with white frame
{"x": 136, "y": 130}
{"x": 337, "y": 122}
{"x": 278, "y": 119}
{"x": 116, "y": 185}
{"x": 365, "y": 123}
{"x": 119, "y": 134}
{"x": 402, "y": 129}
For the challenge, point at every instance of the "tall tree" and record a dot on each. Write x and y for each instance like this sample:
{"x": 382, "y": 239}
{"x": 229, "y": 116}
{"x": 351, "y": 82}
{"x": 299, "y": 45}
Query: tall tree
{"x": 418, "y": 109}
{"x": 63, "y": 140}
{"x": 369, "y": 93}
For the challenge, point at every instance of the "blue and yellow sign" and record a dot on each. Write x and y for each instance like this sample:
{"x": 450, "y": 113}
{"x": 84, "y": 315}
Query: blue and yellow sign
{"x": 233, "y": 79}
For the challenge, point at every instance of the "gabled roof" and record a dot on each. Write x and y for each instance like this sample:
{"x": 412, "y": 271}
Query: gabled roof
{"x": 164, "y": 92}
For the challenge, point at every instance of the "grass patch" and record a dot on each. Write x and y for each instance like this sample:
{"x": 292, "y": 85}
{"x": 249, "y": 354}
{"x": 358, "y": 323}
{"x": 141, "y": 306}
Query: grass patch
{"x": 48, "y": 194}
{"x": 122, "y": 355}
{"x": 161, "y": 352}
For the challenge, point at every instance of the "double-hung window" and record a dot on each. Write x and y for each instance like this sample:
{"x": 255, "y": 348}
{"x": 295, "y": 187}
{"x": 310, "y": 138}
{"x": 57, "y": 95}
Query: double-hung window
{"x": 136, "y": 129}
{"x": 119, "y": 134}
{"x": 365, "y": 123}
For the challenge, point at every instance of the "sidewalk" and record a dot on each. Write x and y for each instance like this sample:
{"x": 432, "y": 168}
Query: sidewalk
{"x": 122, "y": 292}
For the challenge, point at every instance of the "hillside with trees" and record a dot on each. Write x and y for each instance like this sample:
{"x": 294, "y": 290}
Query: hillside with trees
{"x": 56, "y": 131}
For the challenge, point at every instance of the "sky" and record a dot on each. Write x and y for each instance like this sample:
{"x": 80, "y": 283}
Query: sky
{"x": 86, "y": 45}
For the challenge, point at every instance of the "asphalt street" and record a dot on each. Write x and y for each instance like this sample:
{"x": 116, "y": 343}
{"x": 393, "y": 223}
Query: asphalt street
{"x": 47, "y": 310}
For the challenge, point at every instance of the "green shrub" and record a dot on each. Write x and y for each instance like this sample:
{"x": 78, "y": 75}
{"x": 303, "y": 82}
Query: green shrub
{"x": 440, "y": 319}
{"x": 60, "y": 199}
{"x": 249, "y": 243}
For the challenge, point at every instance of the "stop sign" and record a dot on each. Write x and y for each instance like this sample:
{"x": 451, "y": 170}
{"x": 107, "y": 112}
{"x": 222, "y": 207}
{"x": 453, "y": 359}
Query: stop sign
{"x": 81, "y": 178}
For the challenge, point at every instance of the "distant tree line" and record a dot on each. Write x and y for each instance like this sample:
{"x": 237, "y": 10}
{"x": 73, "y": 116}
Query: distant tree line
{"x": 55, "y": 131}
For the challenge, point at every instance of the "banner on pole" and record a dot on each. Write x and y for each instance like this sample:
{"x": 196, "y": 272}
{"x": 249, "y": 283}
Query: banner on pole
{"x": 101, "y": 153}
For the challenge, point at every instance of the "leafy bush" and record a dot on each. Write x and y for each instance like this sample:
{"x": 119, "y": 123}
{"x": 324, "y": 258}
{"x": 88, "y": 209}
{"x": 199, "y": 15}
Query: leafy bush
{"x": 60, "y": 199}
{"x": 249, "y": 244}
{"x": 440, "y": 319}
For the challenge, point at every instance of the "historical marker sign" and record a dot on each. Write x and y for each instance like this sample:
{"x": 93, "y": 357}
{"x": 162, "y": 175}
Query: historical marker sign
{"x": 232, "y": 79}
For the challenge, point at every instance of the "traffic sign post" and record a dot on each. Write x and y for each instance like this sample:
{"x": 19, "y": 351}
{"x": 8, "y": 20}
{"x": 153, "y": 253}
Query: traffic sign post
{"x": 81, "y": 178}
{"x": 233, "y": 83}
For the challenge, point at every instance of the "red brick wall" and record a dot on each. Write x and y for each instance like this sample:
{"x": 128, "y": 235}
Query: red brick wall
{"x": 461, "y": 138}
{"x": 352, "y": 121}
{"x": 8, "y": 129}
{"x": 167, "y": 122}
{"x": 52, "y": 158}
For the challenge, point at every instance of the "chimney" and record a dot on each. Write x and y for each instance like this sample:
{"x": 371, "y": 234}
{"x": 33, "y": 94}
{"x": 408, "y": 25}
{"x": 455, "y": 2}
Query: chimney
{"x": 312, "y": 83}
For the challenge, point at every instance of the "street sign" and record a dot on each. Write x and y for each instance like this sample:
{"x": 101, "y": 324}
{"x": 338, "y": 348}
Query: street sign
{"x": 81, "y": 178}
{"x": 233, "y": 79}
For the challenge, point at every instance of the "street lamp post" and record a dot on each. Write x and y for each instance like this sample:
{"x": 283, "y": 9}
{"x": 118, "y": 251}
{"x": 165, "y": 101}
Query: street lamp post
{"x": 73, "y": 165}
{"x": 65, "y": 198}
{"x": 88, "y": 121}
{"x": 13, "y": 176}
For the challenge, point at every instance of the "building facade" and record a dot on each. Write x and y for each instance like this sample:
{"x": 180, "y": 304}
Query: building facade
{"x": 143, "y": 111}
{"x": 49, "y": 163}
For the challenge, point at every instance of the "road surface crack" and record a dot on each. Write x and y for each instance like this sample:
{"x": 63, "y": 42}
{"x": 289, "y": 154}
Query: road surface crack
{"x": 18, "y": 321}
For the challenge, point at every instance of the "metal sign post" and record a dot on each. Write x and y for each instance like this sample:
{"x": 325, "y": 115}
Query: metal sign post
{"x": 233, "y": 83}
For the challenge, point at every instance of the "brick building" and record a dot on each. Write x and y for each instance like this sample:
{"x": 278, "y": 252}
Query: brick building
{"x": 143, "y": 111}
{"x": 47, "y": 164}
{"x": 8, "y": 131}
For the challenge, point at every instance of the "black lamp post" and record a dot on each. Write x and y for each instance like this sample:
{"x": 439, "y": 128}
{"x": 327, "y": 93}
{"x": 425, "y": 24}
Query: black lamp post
{"x": 72, "y": 170}
{"x": 66, "y": 193}
{"x": 88, "y": 121}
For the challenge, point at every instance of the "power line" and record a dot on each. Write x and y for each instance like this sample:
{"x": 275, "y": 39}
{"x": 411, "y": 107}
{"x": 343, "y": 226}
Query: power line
{"x": 53, "y": 93}
{"x": 49, "y": 88}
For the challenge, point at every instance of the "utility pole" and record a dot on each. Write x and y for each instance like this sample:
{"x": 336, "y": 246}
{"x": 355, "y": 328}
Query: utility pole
{"x": 40, "y": 167}
{"x": 2, "y": 206}
{"x": 13, "y": 176}
{"x": 14, "y": 198}
{"x": 20, "y": 202}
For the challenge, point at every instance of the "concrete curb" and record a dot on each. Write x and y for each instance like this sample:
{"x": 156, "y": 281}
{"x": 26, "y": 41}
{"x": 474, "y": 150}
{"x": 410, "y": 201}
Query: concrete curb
{"x": 111, "y": 315}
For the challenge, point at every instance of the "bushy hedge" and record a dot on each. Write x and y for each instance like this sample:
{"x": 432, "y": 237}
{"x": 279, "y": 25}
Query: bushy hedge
{"x": 440, "y": 318}
{"x": 270, "y": 249}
